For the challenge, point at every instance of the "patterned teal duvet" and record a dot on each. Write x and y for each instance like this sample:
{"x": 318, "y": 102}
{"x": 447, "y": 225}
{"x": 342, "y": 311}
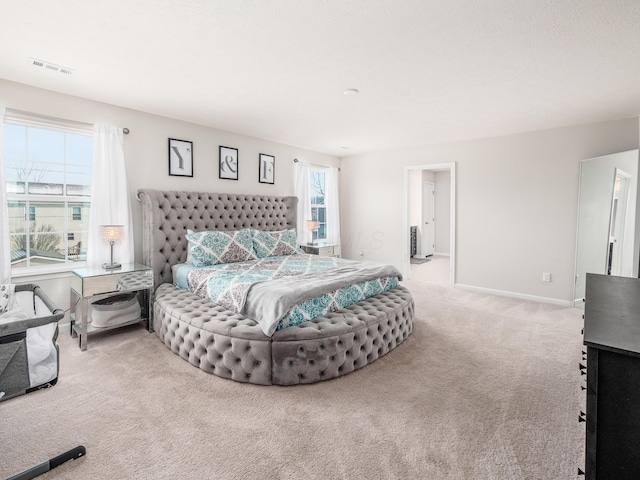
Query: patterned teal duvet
{"x": 229, "y": 284}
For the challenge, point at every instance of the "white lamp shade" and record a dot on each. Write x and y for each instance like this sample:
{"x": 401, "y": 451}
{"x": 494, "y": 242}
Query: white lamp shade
{"x": 111, "y": 233}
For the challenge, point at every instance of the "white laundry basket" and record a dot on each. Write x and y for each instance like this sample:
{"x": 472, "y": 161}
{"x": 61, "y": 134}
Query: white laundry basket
{"x": 114, "y": 310}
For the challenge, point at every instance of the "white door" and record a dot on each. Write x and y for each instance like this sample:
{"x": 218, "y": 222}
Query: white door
{"x": 428, "y": 219}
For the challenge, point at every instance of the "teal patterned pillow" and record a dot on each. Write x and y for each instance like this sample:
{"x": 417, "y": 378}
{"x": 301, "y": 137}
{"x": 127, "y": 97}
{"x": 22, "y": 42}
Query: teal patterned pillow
{"x": 274, "y": 244}
{"x": 213, "y": 247}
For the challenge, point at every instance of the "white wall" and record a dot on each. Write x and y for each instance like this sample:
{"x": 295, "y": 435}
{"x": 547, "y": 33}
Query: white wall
{"x": 146, "y": 156}
{"x": 516, "y": 202}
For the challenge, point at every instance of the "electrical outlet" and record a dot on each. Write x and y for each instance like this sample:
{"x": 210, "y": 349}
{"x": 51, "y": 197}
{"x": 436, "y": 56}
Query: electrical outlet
{"x": 546, "y": 277}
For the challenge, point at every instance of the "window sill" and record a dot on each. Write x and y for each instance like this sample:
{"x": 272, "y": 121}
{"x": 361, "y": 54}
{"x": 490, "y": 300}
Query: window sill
{"x": 45, "y": 273}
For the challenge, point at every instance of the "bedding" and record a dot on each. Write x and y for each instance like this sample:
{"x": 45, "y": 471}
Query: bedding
{"x": 215, "y": 247}
{"x": 285, "y": 291}
{"x": 273, "y": 244}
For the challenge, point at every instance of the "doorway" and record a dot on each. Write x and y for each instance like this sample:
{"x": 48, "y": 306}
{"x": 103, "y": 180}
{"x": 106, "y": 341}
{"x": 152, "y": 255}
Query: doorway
{"x": 417, "y": 213}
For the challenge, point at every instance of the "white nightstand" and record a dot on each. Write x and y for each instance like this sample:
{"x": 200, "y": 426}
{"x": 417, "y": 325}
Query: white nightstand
{"x": 324, "y": 249}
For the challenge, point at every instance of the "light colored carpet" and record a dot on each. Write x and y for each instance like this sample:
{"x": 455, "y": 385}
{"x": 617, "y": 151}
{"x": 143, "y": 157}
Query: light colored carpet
{"x": 485, "y": 388}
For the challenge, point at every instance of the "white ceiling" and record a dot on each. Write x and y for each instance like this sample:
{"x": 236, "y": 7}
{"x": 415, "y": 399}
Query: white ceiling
{"x": 428, "y": 71}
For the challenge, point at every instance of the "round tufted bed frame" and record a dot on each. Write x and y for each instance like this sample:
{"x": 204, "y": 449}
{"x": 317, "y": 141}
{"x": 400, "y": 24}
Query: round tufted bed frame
{"x": 232, "y": 345}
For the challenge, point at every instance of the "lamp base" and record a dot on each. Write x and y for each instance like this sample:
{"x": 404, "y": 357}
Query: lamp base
{"x": 111, "y": 266}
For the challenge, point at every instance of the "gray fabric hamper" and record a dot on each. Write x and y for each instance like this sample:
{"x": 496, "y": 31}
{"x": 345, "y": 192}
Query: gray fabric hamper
{"x": 15, "y": 376}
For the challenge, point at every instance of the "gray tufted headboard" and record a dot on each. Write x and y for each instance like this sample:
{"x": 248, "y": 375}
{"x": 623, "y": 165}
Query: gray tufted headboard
{"x": 166, "y": 215}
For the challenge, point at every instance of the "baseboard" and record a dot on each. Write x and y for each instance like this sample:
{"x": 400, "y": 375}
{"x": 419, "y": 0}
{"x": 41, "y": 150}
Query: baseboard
{"x": 521, "y": 296}
{"x": 442, "y": 254}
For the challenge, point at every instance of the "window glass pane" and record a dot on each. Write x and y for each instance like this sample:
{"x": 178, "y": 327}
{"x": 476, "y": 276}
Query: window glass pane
{"x": 317, "y": 187}
{"x": 78, "y": 180}
{"x": 50, "y": 216}
{"x": 76, "y": 212}
{"x": 322, "y": 231}
{"x": 45, "y": 188}
{"x": 46, "y": 248}
{"x": 46, "y": 146}
{"x": 322, "y": 214}
{"x": 14, "y": 143}
{"x": 15, "y": 175}
{"x": 18, "y": 250}
{"x": 45, "y": 179}
{"x": 79, "y": 150}
{"x": 77, "y": 247}
{"x": 78, "y": 216}
{"x": 17, "y": 216}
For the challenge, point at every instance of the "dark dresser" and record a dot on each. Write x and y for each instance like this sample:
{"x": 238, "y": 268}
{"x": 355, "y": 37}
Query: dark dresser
{"x": 612, "y": 337}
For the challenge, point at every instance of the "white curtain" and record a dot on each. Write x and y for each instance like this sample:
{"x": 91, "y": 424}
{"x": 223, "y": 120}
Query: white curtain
{"x": 304, "y": 201}
{"x": 333, "y": 207}
{"x": 110, "y": 204}
{"x": 5, "y": 247}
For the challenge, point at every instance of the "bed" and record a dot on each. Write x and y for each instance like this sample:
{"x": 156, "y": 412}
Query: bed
{"x": 232, "y": 345}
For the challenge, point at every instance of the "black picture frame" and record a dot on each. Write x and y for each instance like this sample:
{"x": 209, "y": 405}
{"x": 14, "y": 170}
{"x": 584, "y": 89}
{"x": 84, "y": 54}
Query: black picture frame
{"x": 228, "y": 165}
{"x": 266, "y": 168}
{"x": 180, "y": 158}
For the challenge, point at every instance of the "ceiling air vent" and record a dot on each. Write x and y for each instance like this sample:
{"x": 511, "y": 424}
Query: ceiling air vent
{"x": 49, "y": 66}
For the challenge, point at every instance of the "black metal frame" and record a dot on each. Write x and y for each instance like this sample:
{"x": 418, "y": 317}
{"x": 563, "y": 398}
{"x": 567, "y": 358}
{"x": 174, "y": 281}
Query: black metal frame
{"x": 260, "y": 171}
{"x": 220, "y": 163}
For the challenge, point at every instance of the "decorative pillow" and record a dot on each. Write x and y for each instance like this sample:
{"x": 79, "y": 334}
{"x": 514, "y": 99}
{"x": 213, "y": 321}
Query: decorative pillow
{"x": 273, "y": 244}
{"x": 189, "y": 256}
{"x": 213, "y": 247}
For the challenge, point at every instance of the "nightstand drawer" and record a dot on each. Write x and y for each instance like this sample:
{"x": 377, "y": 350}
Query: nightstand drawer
{"x": 325, "y": 251}
{"x": 322, "y": 249}
{"x": 112, "y": 282}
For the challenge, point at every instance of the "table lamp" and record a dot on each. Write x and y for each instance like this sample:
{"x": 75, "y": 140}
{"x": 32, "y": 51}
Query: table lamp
{"x": 312, "y": 226}
{"x": 111, "y": 234}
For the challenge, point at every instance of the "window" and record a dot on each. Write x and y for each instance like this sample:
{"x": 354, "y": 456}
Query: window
{"x": 317, "y": 189}
{"x": 48, "y": 168}
{"x": 76, "y": 213}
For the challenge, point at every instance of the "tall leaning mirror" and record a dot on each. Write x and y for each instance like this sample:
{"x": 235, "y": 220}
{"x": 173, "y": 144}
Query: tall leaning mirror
{"x": 608, "y": 238}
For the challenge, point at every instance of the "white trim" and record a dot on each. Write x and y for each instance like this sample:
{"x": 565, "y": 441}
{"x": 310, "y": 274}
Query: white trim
{"x": 406, "y": 261}
{"x": 46, "y": 272}
{"x": 29, "y": 119}
{"x": 438, "y": 254}
{"x": 521, "y": 296}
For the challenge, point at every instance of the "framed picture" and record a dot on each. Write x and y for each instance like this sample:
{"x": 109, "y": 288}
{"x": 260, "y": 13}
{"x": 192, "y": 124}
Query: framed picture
{"x": 228, "y": 163}
{"x": 267, "y": 170}
{"x": 180, "y": 158}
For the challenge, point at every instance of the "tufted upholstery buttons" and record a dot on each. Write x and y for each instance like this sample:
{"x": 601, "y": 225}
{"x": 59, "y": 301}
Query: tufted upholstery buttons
{"x": 233, "y": 346}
